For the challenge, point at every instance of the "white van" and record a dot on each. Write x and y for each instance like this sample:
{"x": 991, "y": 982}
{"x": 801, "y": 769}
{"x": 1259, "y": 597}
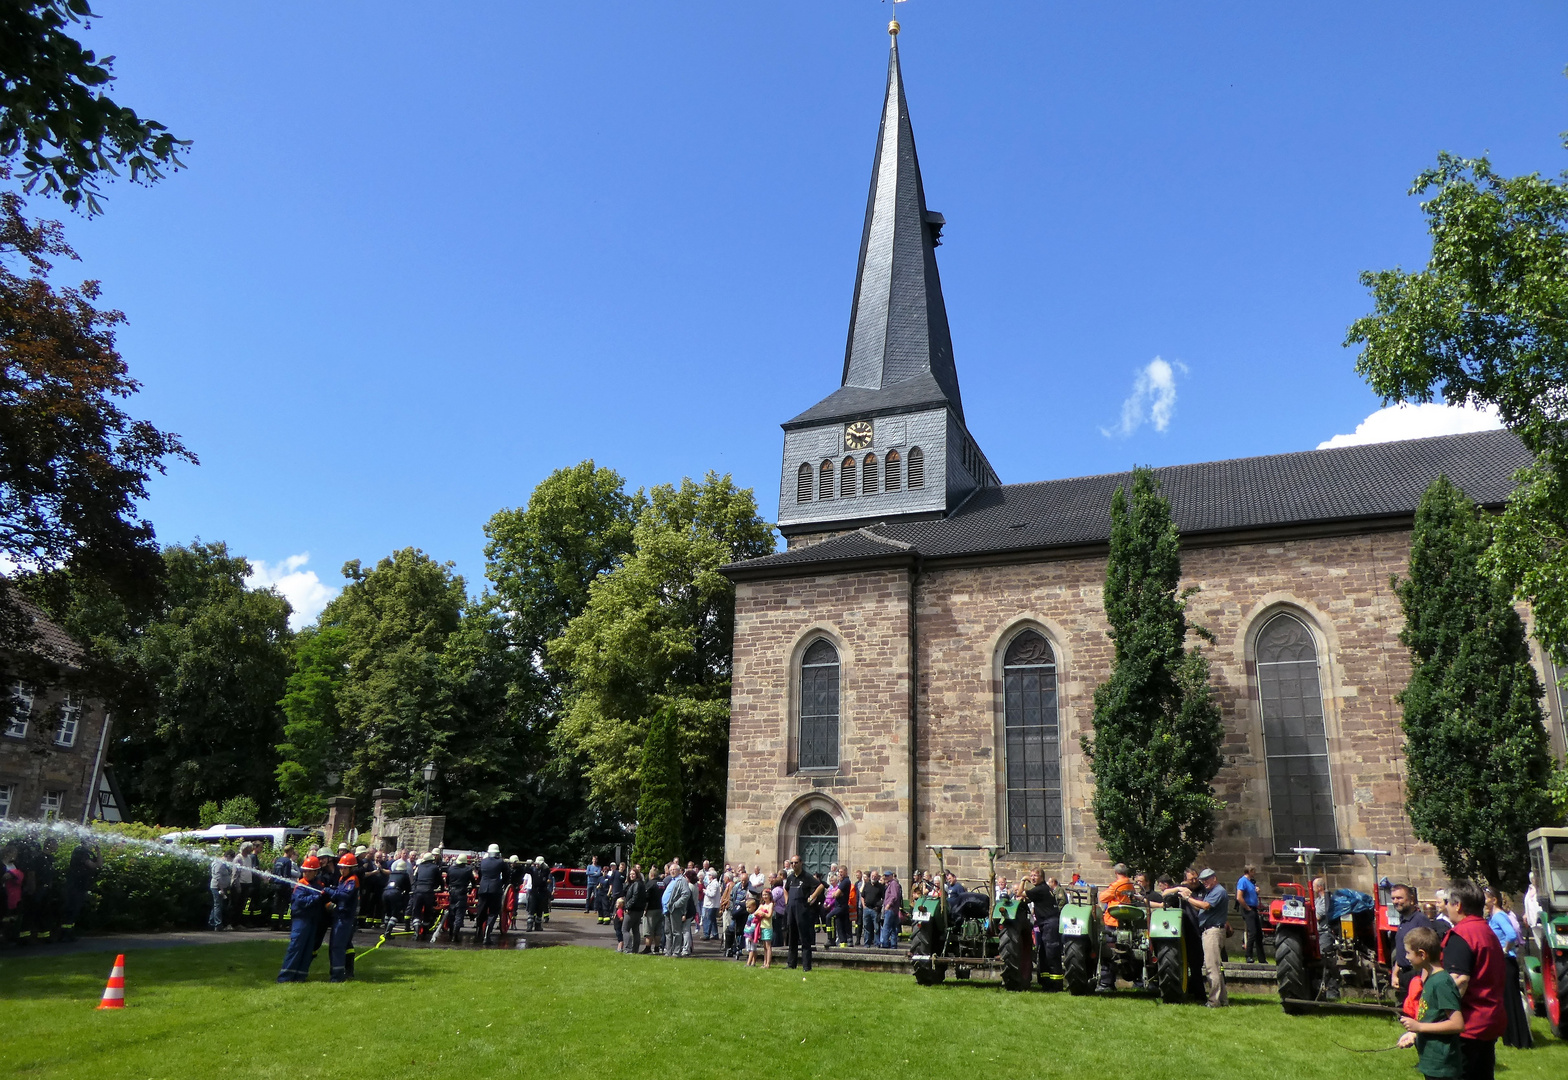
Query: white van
{"x": 236, "y": 834}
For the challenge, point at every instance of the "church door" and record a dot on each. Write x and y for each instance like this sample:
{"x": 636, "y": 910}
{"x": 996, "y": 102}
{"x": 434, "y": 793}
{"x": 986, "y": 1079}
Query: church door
{"x": 818, "y": 842}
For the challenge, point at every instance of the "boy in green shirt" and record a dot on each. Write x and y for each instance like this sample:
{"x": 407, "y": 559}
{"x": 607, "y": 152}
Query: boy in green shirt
{"x": 1435, "y": 1030}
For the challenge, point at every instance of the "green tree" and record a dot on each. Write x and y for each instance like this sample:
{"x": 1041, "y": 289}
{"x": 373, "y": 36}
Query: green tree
{"x": 395, "y": 702}
{"x": 659, "y": 801}
{"x": 541, "y": 561}
{"x": 217, "y": 658}
{"x": 656, "y": 634}
{"x": 55, "y": 115}
{"x": 240, "y": 810}
{"x": 1486, "y": 322}
{"x": 1477, "y": 760}
{"x": 312, "y": 729}
{"x": 1156, "y": 742}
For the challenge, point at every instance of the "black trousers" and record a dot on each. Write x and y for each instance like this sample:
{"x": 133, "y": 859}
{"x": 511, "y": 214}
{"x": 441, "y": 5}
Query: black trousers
{"x": 422, "y": 907}
{"x": 1480, "y": 1058}
{"x": 1051, "y": 944}
{"x": 456, "y": 911}
{"x": 488, "y": 908}
{"x": 1254, "y": 924}
{"x": 803, "y": 932}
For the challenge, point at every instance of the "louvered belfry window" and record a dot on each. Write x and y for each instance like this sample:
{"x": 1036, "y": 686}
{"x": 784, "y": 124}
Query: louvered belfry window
{"x": 917, "y": 468}
{"x": 1295, "y": 739}
{"x": 803, "y": 484}
{"x": 868, "y": 475}
{"x": 825, "y": 488}
{"x": 846, "y": 479}
{"x": 893, "y": 477}
{"x": 1033, "y": 751}
{"x": 819, "y": 706}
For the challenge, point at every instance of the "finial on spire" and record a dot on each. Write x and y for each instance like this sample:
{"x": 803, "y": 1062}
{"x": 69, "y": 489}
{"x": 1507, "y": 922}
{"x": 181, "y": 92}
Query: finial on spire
{"x": 892, "y": 27}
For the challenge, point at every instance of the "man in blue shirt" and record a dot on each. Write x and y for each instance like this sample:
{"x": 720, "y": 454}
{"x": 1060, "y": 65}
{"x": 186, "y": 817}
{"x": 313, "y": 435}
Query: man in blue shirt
{"x": 1251, "y": 917}
{"x": 1211, "y": 903}
{"x": 1404, "y": 900}
{"x": 594, "y": 873}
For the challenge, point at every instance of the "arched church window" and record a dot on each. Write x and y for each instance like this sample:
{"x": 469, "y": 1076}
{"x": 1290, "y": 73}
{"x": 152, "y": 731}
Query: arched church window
{"x": 846, "y": 479}
{"x": 819, "y": 706}
{"x": 917, "y": 468}
{"x": 803, "y": 484}
{"x": 893, "y": 475}
{"x": 818, "y": 843}
{"x": 1033, "y": 752}
{"x": 868, "y": 475}
{"x": 1295, "y": 739}
{"x": 825, "y": 486}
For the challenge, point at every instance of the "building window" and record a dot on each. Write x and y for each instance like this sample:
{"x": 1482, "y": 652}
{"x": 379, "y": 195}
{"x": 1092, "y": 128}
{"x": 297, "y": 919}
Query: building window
{"x": 803, "y": 484}
{"x": 21, "y": 709}
{"x": 7, "y": 793}
{"x": 893, "y": 473}
{"x": 818, "y": 843}
{"x": 1295, "y": 741}
{"x": 49, "y": 809}
{"x": 868, "y": 475}
{"x": 846, "y": 479}
{"x": 1033, "y": 746}
{"x": 70, "y": 721}
{"x": 819, "y": 706}
{"x": 917, "y": 468}
{"x": 825, "y": 486}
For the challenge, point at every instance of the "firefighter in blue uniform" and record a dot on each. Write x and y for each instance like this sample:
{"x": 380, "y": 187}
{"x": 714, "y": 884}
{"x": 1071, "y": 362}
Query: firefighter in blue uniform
{"x": 307, "y": 910}
{"x": 344, "y": 898}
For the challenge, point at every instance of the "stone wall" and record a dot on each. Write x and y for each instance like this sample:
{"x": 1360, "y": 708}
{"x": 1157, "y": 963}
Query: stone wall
{"x": 866, "y": 616}
{"x": 1338, "y": 586}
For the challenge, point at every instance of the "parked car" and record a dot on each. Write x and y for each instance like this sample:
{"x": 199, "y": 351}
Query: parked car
{"x": 570, "y": 885}
{"x": 235, "y": 834}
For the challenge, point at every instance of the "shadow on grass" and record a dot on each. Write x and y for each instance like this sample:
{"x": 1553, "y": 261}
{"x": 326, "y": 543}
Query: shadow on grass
{"x": 240, "y": 966}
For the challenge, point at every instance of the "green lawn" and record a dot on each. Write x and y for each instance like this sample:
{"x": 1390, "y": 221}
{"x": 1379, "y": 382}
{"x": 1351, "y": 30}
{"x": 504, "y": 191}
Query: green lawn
{"x": 214, "y": 1011}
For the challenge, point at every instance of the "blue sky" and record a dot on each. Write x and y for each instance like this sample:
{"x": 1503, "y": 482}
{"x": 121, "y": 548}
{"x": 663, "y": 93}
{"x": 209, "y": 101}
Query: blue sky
{"x": 426, "y": 254}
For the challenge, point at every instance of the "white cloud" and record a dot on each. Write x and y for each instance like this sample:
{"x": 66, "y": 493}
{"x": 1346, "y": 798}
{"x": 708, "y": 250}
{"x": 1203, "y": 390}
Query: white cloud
{"x": 1417, "y": 421}
{"x": 1153, "y": 399}
{"x": 301, "y": 588}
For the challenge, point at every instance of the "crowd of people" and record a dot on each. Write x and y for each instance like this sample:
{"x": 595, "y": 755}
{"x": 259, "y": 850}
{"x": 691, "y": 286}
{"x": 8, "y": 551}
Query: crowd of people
{"x": 37, "y": 904}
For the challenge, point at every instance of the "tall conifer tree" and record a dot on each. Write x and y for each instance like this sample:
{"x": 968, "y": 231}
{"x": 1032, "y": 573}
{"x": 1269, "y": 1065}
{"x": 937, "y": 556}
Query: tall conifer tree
{"x": 1477, "y": 763}
{"x": 1157, "y": 731}
{"x": 659, "y": 804}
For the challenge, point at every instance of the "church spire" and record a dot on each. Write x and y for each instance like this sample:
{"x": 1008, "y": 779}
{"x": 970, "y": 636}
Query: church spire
{"x": 898, "y": 322}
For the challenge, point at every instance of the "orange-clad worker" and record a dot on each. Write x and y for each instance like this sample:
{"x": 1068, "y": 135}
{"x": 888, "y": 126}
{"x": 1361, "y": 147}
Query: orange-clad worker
{"x": 1119, "y": 891}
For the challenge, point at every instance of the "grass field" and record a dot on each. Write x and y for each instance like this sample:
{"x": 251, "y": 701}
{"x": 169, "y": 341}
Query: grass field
{"x": 214, "y": 1011}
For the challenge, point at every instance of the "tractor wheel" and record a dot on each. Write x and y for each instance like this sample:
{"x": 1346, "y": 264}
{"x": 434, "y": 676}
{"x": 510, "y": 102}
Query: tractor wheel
{"x": 1290, "y": 971}
{"x": 1171, "y": 967}
{"x": 1077, "y": 966}
{"x": 1016, "y": 952}
{"x": 930, "y": 976}
{"x": 924, "y": 941}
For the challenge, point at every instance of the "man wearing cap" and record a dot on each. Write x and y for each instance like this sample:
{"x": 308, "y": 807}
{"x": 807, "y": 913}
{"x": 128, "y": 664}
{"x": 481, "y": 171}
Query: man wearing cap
{"x": 344, "y": 900}
{"x": 1211, "y": 903}
{"x": 459, "y": 879}
{"x": 422, "y": 902}
{"x": 492, "y": 884}
{"x": 307, "y": 910}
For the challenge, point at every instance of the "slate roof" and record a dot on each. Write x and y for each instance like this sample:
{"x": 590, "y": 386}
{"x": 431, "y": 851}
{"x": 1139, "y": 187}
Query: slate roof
{"x": 49, "y": 641}
{"x": 898, "y": 332}
{"x": 1316, "y": 487}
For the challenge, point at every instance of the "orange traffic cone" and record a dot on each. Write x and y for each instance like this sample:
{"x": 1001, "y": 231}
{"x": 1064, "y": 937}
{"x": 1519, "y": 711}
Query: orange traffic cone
{"x": 114, "y": 993}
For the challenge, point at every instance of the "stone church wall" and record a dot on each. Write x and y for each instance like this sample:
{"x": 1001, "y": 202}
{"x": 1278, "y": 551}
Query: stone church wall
{"x": 866, "y": 616}
{"x": 1339, "y": 586}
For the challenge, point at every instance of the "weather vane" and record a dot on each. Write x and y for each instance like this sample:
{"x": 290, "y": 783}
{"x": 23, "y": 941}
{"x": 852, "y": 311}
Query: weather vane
{"x": 892, "y": 26}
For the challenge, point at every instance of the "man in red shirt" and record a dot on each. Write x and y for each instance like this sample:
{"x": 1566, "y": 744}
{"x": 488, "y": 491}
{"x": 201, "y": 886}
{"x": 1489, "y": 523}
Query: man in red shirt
{"x": 1473, "y": 956}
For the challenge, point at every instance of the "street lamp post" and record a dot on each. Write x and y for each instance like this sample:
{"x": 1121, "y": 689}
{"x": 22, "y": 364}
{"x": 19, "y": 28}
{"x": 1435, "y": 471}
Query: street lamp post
{"x": 430, "y": 774}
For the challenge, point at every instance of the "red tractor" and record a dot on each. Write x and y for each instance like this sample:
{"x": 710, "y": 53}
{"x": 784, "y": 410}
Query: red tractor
{"x": 1315, "y": 962}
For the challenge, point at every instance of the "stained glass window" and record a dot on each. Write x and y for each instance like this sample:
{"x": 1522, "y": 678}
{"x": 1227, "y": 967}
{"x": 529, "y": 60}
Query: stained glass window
{"x": 1295, "y": 741}
{"x": 1033, "y": 754}
{"x": 819, "y": 706}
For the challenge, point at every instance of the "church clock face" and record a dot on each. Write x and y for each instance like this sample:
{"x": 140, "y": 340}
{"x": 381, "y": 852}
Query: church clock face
{"x": 857, "y": 436}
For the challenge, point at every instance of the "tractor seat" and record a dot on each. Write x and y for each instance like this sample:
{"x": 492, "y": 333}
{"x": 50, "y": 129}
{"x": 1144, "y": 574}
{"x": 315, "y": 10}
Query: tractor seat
{"x": 969, "y": 905}
{"x": 1129, "y": 916}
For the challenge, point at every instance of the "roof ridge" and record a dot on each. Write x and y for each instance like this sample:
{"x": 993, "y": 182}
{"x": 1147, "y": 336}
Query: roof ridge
{"x": 865, "y": 530}
{"x": 1259, "y": 457}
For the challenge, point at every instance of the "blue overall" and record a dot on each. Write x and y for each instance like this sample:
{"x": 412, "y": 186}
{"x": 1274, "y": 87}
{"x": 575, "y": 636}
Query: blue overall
{"x": 307, "y": 910}
{"x": 345, "y": 897}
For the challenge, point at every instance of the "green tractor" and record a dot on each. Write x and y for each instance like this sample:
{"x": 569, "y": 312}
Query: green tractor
{"x": 973, "y": 932}
{"x": 1145, "y": 946}
{"x": 1546, "y": 964}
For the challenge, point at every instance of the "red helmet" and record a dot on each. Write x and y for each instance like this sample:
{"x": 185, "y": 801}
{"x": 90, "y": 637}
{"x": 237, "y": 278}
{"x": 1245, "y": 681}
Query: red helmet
{"x": 349, "y": 861}
{"x": 310, "y": 863}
